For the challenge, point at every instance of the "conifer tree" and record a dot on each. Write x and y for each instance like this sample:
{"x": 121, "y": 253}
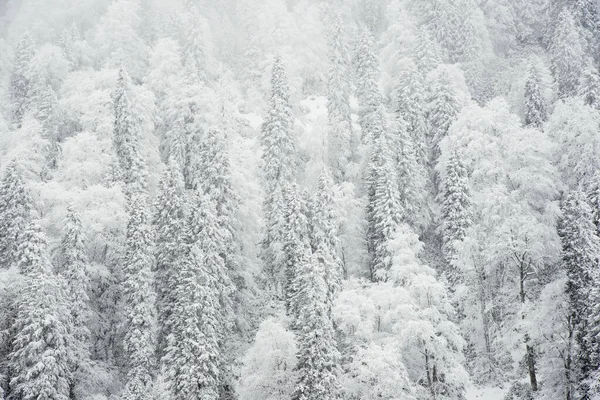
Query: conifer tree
{"x": 169, "y": 222}
{"x": 427, "y": 51}
{"x": 566, "y": 54}
{"x": 42, "y": 355}
{"x": 535, "y": 107}
{"x": 317, "y": 356}
{"x": 19, "y": 82}
{"x": 442, "y": 110}
{"x": 73, "y": 268}
{"x": 340, "y": 145}
{"x": 279, "y": 164}
{"x": 589, "y": 87}
{"x": 580, "y": 249}
{"x": 367, "y": 88}
{"x": 456, "y": 210}
{"x": 138, "y": 301}
{"x": 126, "y": 136}
{"x": 15, "y": 206}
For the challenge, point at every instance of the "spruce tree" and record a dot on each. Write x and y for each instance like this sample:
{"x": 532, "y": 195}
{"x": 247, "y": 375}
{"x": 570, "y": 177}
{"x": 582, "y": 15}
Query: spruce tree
{"x": 126, "y": 136}
{"x": 318, "y": 357}
{"x": 589, "y": 87}
{"x": 367, "y": 88}
{"x": 169, "y": 222}
{"x": 15, "y": 208}
{"x": 340, "y": 144}
{"x": 535, "y": 107}
{"x": 442, "y": 110}
{"x": 19, "y": 82}
{"x": 456, "y": 211}
{"x": 566, "y": 54}
{"x": 138, "y": 301}
{"x": 279, "y": 165}
{"x": 427, "y": 51}
{"x": 580, "y": 249}
{"x": 42, "y": 351}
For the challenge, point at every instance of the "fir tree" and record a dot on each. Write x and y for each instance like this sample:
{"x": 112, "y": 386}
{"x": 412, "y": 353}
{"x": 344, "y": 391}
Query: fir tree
{"x": 41, "y": 358}
{"x": 279, "y": 164}
{"x": 456, "y": 210}
{"x": 427, "y": 51}
{"x": 126, "y": 136}
{"x": 15, "y": 207}
{"x": 169, "y": 220}
{"x": 566, "y": 54}
{"x": 580, "y": 249}
{"x": 367, "y": 88}
{"x": 341, "y": 146}
{"x": 442, "y": 110}
{"x": 138, "y": 301}
{"x": 589, "y": 87}
{"x": 535, "y": 107}
{"x": 317, "y": 356}
{"x": 19, "y": 82}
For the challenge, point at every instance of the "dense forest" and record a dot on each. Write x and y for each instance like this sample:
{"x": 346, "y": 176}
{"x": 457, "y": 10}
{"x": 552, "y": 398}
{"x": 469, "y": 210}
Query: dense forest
{"x": 299, "y": 199}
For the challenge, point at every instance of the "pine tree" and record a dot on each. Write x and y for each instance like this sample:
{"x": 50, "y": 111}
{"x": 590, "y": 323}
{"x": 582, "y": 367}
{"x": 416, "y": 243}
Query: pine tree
{"x": 73, "y": 268}
{"x": 535, "y": 107}
{"x": 456, "y": 210}
{"x": 340, "y": 144}
{"x": 367, "y": 88}
{"x": 566, "y": 54}
{"x": 15, "y": 206}
{"x": 279, "y": 164}
{"x": 169, "y": 221}
{"x": 126, "y": 136}
{"x": 41, "y": 358}
{"x": 580, "y": 249}
{"x": 442, "y": 110}
{"x": 410, "y": 103}
{"x": 317, "y": 356}
{"x": 138, "y": 301}
{"x": 589, "y": 87}
{"x": 19, "y": 82}
{"x": 427, "y": 51}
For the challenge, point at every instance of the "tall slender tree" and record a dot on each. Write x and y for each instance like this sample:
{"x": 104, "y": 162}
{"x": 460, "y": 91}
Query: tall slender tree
{"x": 567, "y": 54}
{"x": 535, "y": 107}
{"x": 367, "y": 87}
{"x": 19, "y": 82}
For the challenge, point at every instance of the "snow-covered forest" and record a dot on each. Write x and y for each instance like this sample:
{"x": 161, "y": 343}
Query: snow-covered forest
{"x": 299, "y": 199}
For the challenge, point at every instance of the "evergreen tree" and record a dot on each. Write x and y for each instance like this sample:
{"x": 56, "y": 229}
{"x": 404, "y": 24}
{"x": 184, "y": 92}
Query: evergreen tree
{"x": 127, "y": 135}
{"x": 367, "y": 88}
{"x": 580, "y": 249}
{"x": 41, "y": 358}
{"x": 535, "y": 107}
{"x": 566, "y": 54}
{"x": 442, "y": 110}
{"x": 589, "y": 87}
{"x": 19, "y": 82}
{"x": 138, "y": 301}
{"x": 318, "y": 356}
{"x": 427, "y": 51}
{"x": 340, "y": 146}
{"x": 73, "y": 268}
{"x": 15, "y": 207}
{"x": 456, "y": 210}
{"x": 279, "y": 164}
{"x": 169, "y": 220}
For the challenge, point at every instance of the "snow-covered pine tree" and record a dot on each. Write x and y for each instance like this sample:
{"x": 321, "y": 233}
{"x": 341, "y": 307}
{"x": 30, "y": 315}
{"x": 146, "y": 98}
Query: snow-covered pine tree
{"x": 42, "y": 350}
{"x": 409, "y": 95}
{"x": 427, "y": 51}
{"x": 138, "y": 301}
{"x": 535, "y": 107}
{"x": 318, "y": 357}
{"x": 279, "y": 164}
{"x": 296, "y": 245}
{"x": 580, "y": 249}
{"x": 170, "y": 223}
{"x": 456, "y": 211}
{"x": 340, "y": 139}
{"x": 15, "y": 208}
{"x": 567, "y": 54}
{"x": 442, "y": 109}
{"x": 589, "y": 87}
{"x": 73, "y": 267}
{"x": 324, "y": 236}
{"x": 367, "y": 87}
{"x": 19, "y": 83}
{"x": 126, "y": 136}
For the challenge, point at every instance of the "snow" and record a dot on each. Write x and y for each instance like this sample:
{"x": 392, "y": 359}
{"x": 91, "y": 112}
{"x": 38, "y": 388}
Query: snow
{"x": 485, "y": 393}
